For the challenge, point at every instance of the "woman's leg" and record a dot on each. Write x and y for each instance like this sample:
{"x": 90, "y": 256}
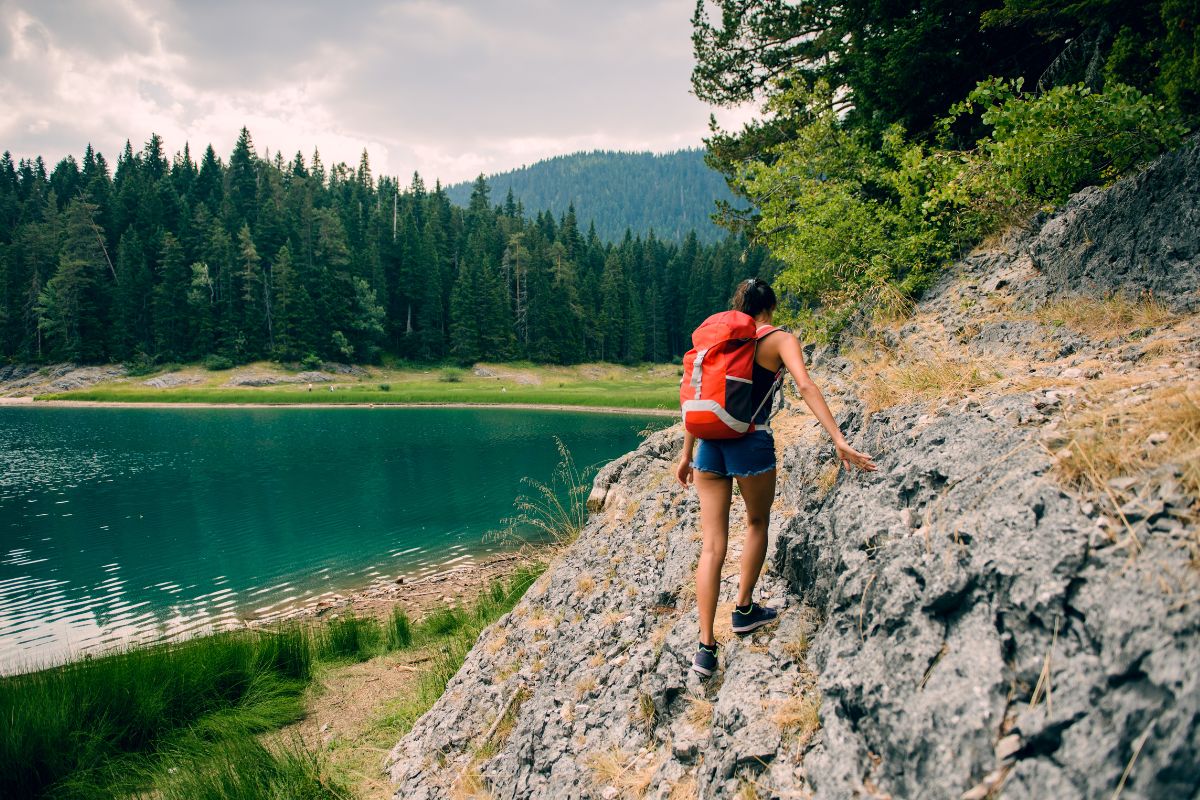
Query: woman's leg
{"x": 759, "y": 493}
{"x": 715, "y": 492}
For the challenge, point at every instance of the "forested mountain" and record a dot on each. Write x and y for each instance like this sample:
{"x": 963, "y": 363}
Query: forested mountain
{"x": 171, "y": 260}
{"x": 671, "y": 194}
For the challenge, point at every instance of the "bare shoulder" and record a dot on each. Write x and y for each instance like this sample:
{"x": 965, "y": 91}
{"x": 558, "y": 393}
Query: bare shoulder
{"x": 778, "y": 340}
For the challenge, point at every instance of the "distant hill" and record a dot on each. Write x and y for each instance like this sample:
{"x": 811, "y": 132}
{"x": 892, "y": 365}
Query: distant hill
{"x": 671, "y": 193}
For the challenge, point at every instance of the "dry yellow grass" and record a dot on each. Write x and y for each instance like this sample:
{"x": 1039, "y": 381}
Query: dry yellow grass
{"x": 615, "y": 767}
{"x": 891, "y": 306}
{"x": 597, "y": 660}
{"x": 685, "y": 789}
{"x": 1105, "y": 318}
{"x": 585, "y": 583}
{"x": 470, "y": 785}
{"x": 646, "y": 712}
{"x": 797, "y": 648}
{"x": 826, "y": 479}
{"x": 699, "y": 713}
{"x": 748, "y": 790}
{"x": 1131, "y": 433}
{"x": 905, "y": 378}
{"x": 496, "y": 643}
{"x": 539, "y": 620}
{"x": 585, "y": 685}
{"x": 611, "y": 618}
{"x": 659, "y": 636}
{"x": 506, "y": 671}
{"x": 799, "y": 715}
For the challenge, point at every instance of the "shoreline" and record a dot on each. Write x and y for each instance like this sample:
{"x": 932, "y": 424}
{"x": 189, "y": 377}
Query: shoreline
{"x": 456, "y": 585}
{"x": 30, "y": 401}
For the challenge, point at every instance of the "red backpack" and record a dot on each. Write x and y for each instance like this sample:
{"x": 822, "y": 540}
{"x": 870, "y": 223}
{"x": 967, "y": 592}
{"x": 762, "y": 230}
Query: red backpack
{"x": 718, "y": 377}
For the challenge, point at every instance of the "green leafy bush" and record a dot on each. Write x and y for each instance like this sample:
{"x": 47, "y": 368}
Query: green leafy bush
{"x": 856, "y": 218}
{"x": 1049, "y": 145}
{"x": 216, "y": 363}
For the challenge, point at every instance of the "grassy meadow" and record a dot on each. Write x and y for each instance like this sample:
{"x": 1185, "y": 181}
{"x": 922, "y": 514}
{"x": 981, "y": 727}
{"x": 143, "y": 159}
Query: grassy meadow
{"x": 194, "y": 720}
{"x": 649, "y": 387}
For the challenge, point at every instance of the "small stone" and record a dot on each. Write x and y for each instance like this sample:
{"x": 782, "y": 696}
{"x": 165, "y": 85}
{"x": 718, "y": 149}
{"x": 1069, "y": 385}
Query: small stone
{"x": 1123, "y": 484}
{"x": 1071, "y": 372}
{"x": 1137, "y": 510}
{"x": 1007, "y": 747}
{"x": 759, "y": 742}
{"x": 1091, "y": 373}
{"x": 908, "y": 518}
{"x": 1171, "y": 494}
{"x": 1055, "y": 439}
{"x": 610, "y": 792}
{"x": 1157, "y": 438}
{"x": 684, "y": 750}
{"x": 1165, "y": 524}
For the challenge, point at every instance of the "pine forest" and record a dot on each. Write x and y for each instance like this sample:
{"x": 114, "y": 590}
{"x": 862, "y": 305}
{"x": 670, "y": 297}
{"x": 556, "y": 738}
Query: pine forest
{"x": 160, "y": 261}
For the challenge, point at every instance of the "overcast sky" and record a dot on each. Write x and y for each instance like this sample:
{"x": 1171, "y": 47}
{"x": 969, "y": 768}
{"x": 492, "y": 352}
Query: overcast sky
{"x": 451, "y": 88}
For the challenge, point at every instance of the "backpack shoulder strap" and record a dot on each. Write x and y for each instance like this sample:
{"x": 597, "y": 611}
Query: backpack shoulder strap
{"x": 764, "y": 331}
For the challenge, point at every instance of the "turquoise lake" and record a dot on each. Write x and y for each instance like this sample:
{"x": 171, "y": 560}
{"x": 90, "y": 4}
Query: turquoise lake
{"x": 139, "y": 524}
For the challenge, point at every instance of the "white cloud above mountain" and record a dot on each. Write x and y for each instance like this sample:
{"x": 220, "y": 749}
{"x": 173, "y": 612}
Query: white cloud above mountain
{"x": 451, "y": 88}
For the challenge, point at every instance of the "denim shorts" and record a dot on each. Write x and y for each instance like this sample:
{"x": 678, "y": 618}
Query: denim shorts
{"x": 751, "y": 454}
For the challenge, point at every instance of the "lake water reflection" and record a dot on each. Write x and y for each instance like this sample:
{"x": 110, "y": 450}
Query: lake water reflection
{"x": 123, "y": 525}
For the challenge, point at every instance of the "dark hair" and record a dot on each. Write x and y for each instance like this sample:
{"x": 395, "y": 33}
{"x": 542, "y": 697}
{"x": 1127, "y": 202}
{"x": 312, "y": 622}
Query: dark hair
{"x": 752, "y": 297}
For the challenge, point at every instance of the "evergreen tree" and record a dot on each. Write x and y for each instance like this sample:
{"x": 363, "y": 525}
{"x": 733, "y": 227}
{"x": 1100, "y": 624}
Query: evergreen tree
{"x": 69, "y": 307}
{"x": 174, "y": 328}
{"x": 132, "y": 314}
{"x": 253, "y": 328}
{"x": 242, "y": 182}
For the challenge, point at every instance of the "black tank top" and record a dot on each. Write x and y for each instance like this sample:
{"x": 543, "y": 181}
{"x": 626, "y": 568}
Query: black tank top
{"x": 764, "y": 380}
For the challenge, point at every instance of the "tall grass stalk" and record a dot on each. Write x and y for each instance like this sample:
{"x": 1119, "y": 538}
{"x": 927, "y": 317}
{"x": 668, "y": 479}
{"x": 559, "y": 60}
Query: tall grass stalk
{"x": 557, "y": 510}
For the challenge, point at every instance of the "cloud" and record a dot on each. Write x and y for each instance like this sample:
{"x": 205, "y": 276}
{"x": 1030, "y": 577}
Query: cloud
{"x": 449, "y": 88}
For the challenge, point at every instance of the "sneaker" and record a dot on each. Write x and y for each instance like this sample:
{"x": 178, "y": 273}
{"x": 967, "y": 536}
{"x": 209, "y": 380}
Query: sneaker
{"x": 705, "y": 661}
{"x": 752, "y": 620}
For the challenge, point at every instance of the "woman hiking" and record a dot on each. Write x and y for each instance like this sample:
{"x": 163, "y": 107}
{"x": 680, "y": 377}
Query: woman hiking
{"x": 750, "y": 459}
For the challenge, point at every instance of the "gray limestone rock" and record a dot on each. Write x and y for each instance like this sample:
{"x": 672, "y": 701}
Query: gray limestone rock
{"x": 956, "y": 625}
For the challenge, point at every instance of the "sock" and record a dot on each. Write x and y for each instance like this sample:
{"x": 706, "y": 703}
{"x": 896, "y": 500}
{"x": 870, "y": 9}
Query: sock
{"x": 746, "y": 608}
{"x": 712, "y": 648}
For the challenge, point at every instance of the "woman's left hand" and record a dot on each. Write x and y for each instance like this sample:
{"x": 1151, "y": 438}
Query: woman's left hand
{"x": 852, "y": 458}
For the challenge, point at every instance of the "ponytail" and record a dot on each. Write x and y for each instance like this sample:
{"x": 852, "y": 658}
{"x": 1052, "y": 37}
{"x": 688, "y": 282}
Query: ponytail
{"x": 753, "y": 296}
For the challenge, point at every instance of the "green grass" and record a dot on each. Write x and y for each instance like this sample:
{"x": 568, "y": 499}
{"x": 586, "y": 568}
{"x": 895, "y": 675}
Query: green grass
{"x": 618, "y": 394}
{"x": 642, "y": 387}
{"x": 455, "y": 632}
{"x": 180, "y": 720}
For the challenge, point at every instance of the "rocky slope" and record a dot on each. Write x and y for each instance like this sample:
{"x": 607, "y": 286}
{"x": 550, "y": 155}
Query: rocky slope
{"x": 1007, "y": 608}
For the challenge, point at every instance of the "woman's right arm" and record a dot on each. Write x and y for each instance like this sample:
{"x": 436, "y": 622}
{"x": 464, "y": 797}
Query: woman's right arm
{"x": 793, "y": 359}
{"x": 683, "y": 471}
